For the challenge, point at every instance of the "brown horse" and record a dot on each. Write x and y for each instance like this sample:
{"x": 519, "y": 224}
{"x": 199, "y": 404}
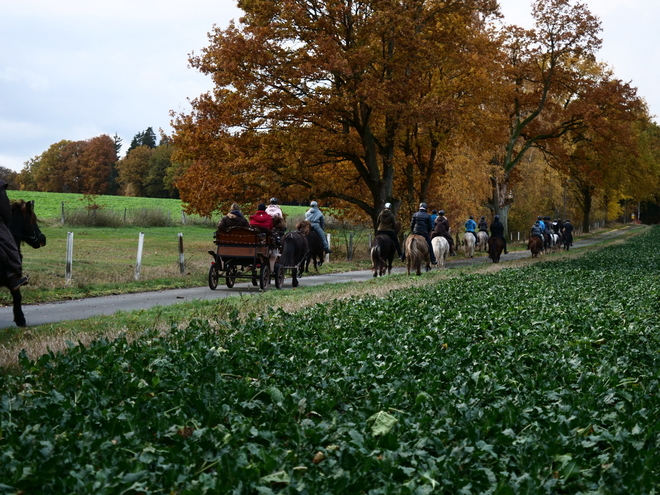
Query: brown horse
{"x": 382, "y": 254}
{"x": 495, "y": 248}
{"x": 294, "y": 252}
{"x": 417, "y": 252}
{"x": 535, "y": 245}
{"x": 24, "y": 228}
{"x": 314, "y": 243}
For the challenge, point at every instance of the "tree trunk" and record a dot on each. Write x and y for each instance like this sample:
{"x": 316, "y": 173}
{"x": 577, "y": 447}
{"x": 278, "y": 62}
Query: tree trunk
{"x": 501, "y": 200}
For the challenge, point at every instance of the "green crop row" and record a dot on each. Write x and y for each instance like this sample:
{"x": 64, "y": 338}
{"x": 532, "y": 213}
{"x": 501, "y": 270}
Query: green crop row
{"x": 535, "y": 380}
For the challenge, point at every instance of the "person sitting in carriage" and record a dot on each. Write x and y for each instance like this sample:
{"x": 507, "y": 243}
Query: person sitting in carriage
{"x": 261, "y": 218}
{"x": 279, "y": 224}
{"x": 470, "y": 227}
{"x": 497, "y": 230}
{"x": 441, "y": 228}
{"x": 233, "y": 219}
{"x": 483, "y": 225}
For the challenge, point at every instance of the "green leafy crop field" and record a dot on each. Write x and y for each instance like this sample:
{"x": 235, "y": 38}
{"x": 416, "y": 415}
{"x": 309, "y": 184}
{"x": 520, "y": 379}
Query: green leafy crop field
{"x": 542, "y": 379}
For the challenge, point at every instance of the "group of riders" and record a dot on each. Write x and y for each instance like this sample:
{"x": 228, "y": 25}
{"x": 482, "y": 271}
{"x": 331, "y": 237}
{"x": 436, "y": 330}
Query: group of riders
{"x": 272, "y": 219}
{"x": 436, "y": 224}
{"x": 422, "y": 223}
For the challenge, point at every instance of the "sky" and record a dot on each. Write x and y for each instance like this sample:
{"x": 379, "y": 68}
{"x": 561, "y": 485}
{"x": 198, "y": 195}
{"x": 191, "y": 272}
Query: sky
{"x": 76, "y": 69}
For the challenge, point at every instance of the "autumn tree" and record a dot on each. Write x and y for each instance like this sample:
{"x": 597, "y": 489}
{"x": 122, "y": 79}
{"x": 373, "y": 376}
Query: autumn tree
{"x": 541, "y": 74}
{"x": 315, "y": 98}
{"x": 132, "y": 170}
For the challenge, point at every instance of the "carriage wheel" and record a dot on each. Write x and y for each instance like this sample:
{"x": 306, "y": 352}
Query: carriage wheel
{"x": 264, "y": 276}
{"x": 213, "y": 278}
{"x": 230, "y": 274}
{"x": 279, "y": 275}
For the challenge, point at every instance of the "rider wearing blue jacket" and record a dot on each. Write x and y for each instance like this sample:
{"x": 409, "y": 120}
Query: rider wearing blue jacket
{"x": 470, "y": 227}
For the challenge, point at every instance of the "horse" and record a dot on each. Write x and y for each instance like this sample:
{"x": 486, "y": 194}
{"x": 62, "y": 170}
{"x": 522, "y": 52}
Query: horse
{"x": 495, "y": 248}
{"x": 23, "y": 228}
{"x": 382, "y": 254}
{"x": 555, "y": 241}
{"x": 470, "y": 242}
{"x": 535, "y": 245}
{"x": 482, "y": 240}
{"x": 294, "y": 252}
{"x": 440, "y": 249}
{"x": 417, "y": 252}
{"x": 567, "y": 240}
{"x": 314, "y": 244}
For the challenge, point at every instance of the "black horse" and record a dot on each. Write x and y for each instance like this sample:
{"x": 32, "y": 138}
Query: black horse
{"x": 24, "y": 228}
{"x": 495, "y": 248}
{"x": 314, "y": 244}
{"x": 294, "y": 252}
{"x": 382, "y": 254}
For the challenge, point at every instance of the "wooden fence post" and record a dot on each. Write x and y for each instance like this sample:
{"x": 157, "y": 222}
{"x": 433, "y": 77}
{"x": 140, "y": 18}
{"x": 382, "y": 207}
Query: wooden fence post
{"x": 63, "y": 213}
{"x": 183, "y": 217}
{"x": 69, "y": 257}
{"x": 182, "y": 261}
{"x": 327, "y": 255}
{"x": 138, "y": 262}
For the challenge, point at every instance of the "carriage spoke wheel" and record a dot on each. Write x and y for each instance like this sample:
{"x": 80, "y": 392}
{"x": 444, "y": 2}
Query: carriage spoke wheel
{"x": 279, "y": 275}
{"x": 213, "y": 278}
{"x": 264, "y": 276}
{"x": 230, "y": 274}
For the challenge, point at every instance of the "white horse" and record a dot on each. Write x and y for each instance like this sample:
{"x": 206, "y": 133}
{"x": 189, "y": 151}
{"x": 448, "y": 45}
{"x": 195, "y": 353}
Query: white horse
{"x": 470, "y": 241}
{"x": 440, "y": 249}
{"x": 482, "y": 240}
{"x": 555, "y": 242}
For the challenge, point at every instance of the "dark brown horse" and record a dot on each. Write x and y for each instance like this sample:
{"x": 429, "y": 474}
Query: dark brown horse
{"x": 294, "y": 252}
{"x": 535, "y": 245}
{"x": 24, "y": 228}
{"x": 495, "y": 248}
{"x": 314, "y": 243}
{"x": 382, "y": 254}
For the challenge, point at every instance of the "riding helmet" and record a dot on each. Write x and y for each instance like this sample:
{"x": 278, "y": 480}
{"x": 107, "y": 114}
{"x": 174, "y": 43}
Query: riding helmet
{"x": 388, "y": 206}
{"x": 273, "y": 201}
{"x": 422, "y": 206}
{"x": 442, "y": 212}
{"x": 313, "y": 203}
{"x": 496, "y": 217}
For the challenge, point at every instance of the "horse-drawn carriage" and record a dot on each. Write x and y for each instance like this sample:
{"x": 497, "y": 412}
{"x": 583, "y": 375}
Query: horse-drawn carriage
{"x": 246, "y": 253}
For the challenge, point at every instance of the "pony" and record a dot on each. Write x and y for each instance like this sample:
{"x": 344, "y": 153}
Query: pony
{"x": 555, "y": 242}
{"x": 482, "y": 240}
{"x": 535, "y": 245}
{"x": 314, "y": 243}
{"x": 417, "y": 252}
{"x": 382, "y": 254}
{"x": 567, "y": 240}
{"x": 23, "y": 228}
{"x": 470, "y": 242}
{"x": 441, "y": 250}
{"x": 495, "y": 248}
{"x": 294, "y": 252}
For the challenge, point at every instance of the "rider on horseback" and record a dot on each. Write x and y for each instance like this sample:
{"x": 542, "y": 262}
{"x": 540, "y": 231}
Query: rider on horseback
{"x": 387, "y": 226}
{"x": 442, "y": 228}
{"x": 316, "y": 218}
{"x": 537, "y": 231}
{"x": 470, "y": 226}
{"x": 420, "y": 224}
{"x": 10, "y": 257}
{"x": 497, "y": 230}
{"x": 483, "y": 225}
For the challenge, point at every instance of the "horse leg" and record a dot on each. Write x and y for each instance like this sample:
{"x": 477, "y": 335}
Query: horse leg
{"x": 294, "y": 277}
{"x": 19, "y": 317}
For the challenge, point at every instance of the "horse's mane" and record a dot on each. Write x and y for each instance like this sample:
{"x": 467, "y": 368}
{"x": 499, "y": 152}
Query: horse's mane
{"x": 304, "y": 226}
{"x": 20, "y": 207}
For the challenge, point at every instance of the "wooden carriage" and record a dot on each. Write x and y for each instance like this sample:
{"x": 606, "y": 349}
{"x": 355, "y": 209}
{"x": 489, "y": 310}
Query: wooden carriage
{"x": 245, "y": 253}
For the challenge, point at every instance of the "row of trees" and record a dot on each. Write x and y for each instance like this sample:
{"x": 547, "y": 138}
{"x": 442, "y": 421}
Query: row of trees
{"x": 364, "y": 102}
{"x": 92, "y": 167}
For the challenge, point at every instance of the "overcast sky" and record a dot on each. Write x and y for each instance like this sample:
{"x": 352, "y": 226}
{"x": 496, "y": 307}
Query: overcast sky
{"x": 76, "y": 69}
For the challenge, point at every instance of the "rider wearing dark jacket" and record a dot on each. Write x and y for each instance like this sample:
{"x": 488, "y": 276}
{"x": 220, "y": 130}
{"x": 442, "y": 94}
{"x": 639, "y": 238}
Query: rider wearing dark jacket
{"x": 441, "y": 228}
{"x": 568, "y": 232}
{"x": 387, "y": 226}
{"x": 497, "y": 230}
{"x": 483, "y": 225}
{"x": 420, "y": 224}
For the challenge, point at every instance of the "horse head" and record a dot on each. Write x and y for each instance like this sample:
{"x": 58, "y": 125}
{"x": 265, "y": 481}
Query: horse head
{"x": 24, "y": 224}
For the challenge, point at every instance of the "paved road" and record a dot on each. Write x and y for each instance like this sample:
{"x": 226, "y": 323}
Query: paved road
{"x": 40, "y": 314}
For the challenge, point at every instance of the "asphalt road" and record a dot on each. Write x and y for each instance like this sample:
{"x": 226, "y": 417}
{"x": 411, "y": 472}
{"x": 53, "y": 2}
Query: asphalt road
{"x": 41, "y": 314}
